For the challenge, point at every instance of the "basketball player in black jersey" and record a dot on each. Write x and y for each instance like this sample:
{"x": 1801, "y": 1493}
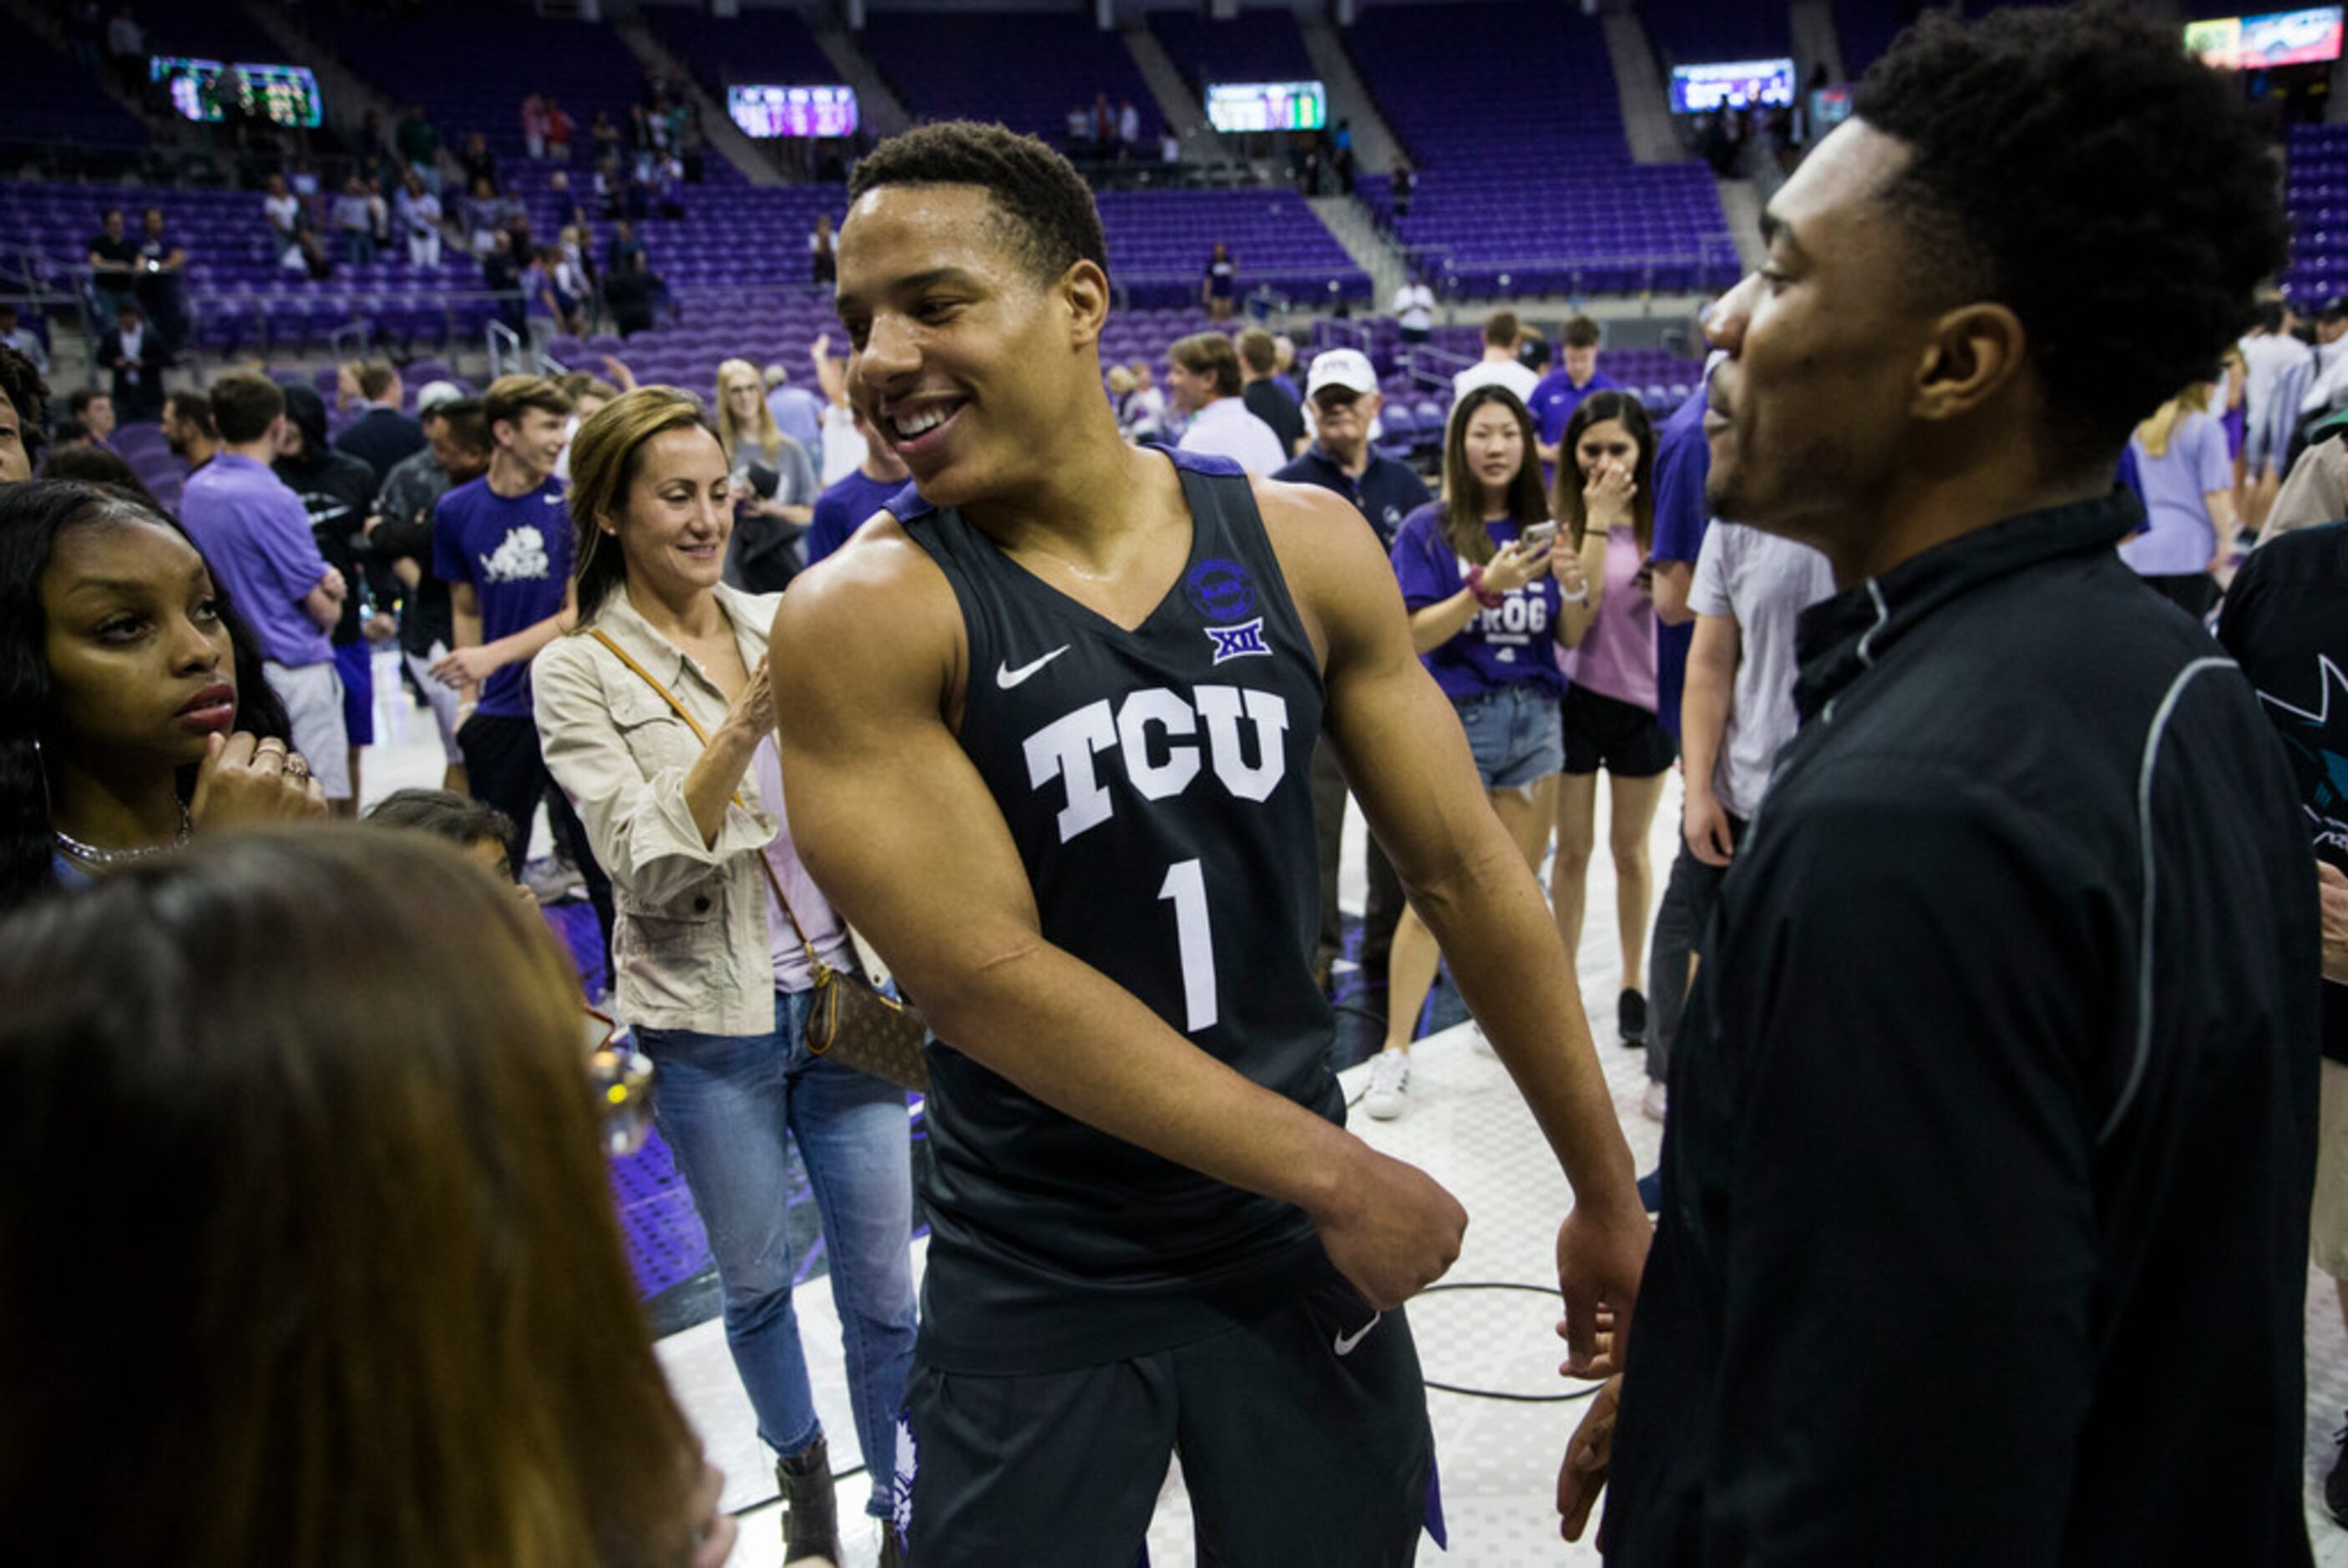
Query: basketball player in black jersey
{"x": 1047, "y": 729}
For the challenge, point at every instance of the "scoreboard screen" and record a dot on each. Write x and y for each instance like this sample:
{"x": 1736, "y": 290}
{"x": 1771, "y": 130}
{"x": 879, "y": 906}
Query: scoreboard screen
{"x": 777, "y": 111}
{"x": 2305, "y": 36}
{"x": 286, "y": 94}
{"x": 1241, "y": 106}
{"x": 1732, "y": 84}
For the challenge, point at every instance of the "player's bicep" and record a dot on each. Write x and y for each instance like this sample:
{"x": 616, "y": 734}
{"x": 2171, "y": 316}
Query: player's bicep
{"x": 886, "y": 810}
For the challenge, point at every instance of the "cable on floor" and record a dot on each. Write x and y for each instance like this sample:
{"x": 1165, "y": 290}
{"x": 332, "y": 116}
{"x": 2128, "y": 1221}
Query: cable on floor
{"x": 1502, "y": 1395}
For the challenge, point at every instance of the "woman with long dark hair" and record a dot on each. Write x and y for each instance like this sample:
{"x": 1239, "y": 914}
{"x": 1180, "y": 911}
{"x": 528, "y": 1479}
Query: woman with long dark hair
{"x": 1481, "y": 578}
{"x": 133, "y": 710}
{"x": 1605, "y": 498}
{"x": 351, "y": 1268}
{"x": 658, "y": 724}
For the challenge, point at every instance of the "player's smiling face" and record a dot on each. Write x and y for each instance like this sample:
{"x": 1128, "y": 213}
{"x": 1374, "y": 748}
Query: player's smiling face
{"x": 959, "y": 355}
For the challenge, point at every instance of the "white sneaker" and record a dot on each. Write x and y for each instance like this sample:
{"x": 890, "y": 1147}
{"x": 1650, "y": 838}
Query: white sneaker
{"x": 1389, "y": 1089}
{"x": 1654, "y": 1103}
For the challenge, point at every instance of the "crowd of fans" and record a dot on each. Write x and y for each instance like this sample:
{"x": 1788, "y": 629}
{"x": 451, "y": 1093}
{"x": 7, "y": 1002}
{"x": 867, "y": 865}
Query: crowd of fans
{"x": 2002, "y": 1037}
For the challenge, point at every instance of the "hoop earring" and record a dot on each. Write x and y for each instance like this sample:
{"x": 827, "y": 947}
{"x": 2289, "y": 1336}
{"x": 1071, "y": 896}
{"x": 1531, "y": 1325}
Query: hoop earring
{"x": 41, "y": 766}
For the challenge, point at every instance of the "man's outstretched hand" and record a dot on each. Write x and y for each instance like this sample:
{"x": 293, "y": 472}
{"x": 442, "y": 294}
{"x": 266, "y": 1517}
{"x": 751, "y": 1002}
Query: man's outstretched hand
{"x": 1588, "y": 1458}
{"x": 1599, "y": 1257}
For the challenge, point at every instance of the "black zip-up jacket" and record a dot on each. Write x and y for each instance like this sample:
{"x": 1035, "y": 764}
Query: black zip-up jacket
{"x": 1986, "y": 1185}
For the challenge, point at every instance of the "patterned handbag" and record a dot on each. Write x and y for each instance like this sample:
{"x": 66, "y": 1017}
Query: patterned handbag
{"x": 851, "y": 1021}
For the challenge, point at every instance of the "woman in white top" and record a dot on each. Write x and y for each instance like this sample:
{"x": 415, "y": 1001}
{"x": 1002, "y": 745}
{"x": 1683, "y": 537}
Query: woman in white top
{"x": 709, "y": 967}
{"x": 2186, "y": 479}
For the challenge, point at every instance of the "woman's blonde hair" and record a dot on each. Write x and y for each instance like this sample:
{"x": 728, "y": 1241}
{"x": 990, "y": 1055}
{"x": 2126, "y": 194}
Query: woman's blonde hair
{"x": 1120, "y": 380}
{"x": 602, "y": 465}
{"x": 2154, "y": 432}
{"x": 767, "y": 434}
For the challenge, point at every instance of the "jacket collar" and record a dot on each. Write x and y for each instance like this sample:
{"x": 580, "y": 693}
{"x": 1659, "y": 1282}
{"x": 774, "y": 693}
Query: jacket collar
{"x": 625, "y": 624}
{"x": 1843, "y": 637}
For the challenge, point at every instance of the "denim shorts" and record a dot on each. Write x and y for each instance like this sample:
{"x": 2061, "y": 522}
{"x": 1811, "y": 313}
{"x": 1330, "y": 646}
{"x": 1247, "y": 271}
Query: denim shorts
{"x": 1515, "y": 733}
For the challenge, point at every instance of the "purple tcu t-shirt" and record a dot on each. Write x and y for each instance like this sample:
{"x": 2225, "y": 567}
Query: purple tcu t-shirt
{"x": 255, "y": 536}
{"x": 1497, "y": 649}
{"x": 515, "y": 554}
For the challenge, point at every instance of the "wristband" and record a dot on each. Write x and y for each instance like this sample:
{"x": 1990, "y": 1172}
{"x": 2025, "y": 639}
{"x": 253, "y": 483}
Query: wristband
{"x": 1580, "y": 598}
{"x": 1484, "y": 596}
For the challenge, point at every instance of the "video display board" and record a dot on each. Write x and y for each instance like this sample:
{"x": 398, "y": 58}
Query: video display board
{"x": 2300, "y": 38}
{"x": 778, "y": 111}
{"x": 1732, "y": 84}
{"x": 286, "y": 94}
{"x": 1241, "y": 106}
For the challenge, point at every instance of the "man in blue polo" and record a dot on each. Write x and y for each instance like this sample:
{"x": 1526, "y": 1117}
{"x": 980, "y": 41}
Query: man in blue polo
{"x": 1560, "y": 392}
{"x": 1341, "y": 398}
{"x": 255, "y": 535}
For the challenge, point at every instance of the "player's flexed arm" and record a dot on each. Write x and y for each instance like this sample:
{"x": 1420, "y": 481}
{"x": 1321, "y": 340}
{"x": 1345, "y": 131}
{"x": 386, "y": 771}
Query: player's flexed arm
{"x": 1407, "y": 760}
{"x": 899, "y": 830}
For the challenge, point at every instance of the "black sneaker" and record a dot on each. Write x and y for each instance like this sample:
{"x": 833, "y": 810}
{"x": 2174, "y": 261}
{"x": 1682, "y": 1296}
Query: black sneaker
{"x": 1631, "y": 1020}
{"x": 2335, "y": 1484}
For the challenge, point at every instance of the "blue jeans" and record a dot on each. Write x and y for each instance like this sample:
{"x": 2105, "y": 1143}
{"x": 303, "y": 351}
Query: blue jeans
{"x": 725, "y": 1103}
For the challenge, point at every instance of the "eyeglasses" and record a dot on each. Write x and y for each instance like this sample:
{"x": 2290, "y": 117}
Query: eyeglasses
{"x": 622, "y": 1077}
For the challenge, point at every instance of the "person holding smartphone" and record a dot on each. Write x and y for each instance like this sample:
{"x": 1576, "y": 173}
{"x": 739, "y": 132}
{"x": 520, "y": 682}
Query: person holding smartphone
{"x": 1605, "y": 496}
{"x": 1485, "y": 587}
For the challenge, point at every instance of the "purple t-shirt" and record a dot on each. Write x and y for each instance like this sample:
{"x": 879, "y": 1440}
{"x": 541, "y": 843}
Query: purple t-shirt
{"x": 255, "y": 535}
{"x": 2179, "y": 538}
{"x": 515, "y": 554}
{"x": 843, "y": 509}
{"x": 1616, "y": 658}
{"x": 1683, "y": 462}
{"x": 1556, "y": 398}
{"x": 1497, "y": 649}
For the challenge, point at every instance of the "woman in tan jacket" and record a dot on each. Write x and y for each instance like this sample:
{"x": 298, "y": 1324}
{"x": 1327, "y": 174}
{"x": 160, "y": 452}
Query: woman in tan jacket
{"x": 707, "y": 951}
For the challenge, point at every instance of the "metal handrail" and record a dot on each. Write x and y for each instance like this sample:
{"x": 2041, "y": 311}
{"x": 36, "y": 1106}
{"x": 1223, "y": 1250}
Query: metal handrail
{"x": 504, "y": 344}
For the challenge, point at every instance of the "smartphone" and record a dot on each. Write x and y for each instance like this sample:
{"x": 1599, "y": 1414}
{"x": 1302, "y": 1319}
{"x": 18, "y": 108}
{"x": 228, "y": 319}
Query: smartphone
{"x": 1539, "y": 536}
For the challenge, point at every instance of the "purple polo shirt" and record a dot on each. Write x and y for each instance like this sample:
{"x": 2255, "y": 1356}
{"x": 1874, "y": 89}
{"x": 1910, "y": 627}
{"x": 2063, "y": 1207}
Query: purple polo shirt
{"x": 1556, "y": 398}
{"x": 1497, "y": 649}
{"x": 255, "y": 536}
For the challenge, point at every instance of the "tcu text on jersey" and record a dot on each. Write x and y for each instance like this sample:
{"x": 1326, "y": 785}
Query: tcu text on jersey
{"x": 1154, "y": 732}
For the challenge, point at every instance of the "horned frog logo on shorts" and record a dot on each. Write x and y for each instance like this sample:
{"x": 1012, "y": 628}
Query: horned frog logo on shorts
{"x": 522, "y": 558}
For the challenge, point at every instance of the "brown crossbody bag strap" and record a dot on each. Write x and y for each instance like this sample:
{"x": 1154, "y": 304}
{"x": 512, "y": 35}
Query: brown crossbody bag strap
{"x": 766, "y": 865}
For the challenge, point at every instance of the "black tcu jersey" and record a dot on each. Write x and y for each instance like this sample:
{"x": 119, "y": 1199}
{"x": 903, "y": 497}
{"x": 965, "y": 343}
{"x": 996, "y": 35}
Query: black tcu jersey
{"x": 1158, "y": 785}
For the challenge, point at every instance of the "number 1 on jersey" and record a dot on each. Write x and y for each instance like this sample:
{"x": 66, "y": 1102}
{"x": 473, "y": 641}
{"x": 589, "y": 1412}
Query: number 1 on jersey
{"x": 1186, "y": 885}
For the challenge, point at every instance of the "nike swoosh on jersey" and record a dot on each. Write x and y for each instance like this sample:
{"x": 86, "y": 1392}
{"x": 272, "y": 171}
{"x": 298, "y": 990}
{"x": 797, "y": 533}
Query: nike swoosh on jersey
{"x": 1007, "y": 677}
{"x": 1346, "y": 1342}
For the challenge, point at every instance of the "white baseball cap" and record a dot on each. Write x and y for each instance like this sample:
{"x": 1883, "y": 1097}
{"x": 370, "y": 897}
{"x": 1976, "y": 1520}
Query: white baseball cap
{"x": 435, "y": 392}
{"x": 1346, "y": 367}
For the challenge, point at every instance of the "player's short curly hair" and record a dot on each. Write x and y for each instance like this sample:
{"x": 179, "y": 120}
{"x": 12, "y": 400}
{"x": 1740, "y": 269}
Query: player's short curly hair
{"x": 29, "y": 396}
{"x": 1045, "y": 207}
{"x": 2076, "y": 165}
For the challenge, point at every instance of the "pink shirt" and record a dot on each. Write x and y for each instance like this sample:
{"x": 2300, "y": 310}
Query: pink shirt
{"x": 823, "y": 927}
{"x": 1616, "y": 656}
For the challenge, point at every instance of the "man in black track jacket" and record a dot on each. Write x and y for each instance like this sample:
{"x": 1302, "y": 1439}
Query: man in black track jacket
{"x": 1985, "y": 1191}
